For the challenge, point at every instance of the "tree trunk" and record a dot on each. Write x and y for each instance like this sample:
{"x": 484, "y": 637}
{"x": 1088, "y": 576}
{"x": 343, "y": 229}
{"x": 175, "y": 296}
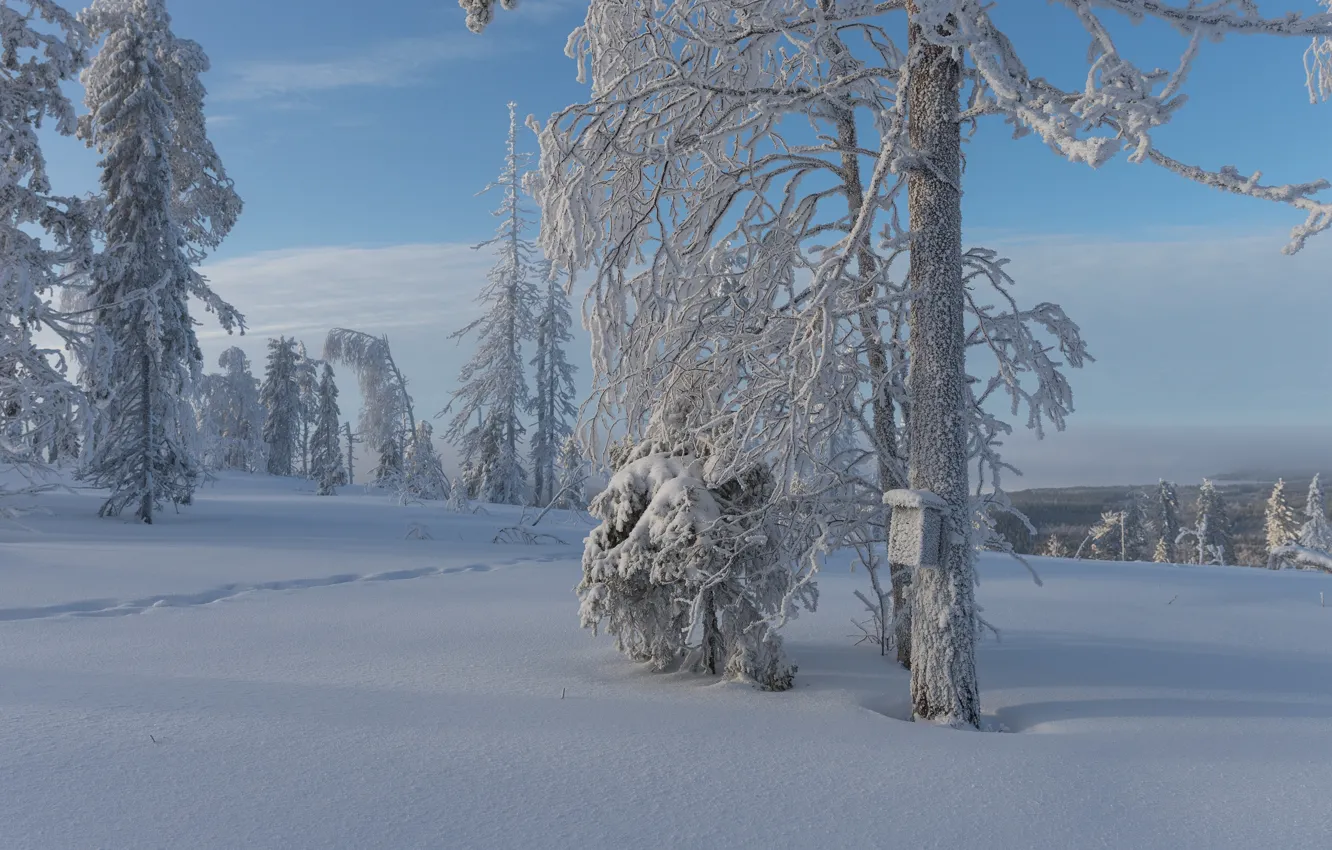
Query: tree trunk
{"x": 943, "y": 644}
{"x": 882, "y": 408}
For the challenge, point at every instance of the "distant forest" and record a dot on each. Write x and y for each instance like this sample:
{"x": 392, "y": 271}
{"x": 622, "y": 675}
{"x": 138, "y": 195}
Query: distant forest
{"x": 1069, "y": 513}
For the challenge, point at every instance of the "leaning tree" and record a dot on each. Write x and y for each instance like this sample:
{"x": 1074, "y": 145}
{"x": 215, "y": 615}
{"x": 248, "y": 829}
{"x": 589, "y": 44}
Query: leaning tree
{"x": 387, "y": 420}
{"x": 691, "y": 159}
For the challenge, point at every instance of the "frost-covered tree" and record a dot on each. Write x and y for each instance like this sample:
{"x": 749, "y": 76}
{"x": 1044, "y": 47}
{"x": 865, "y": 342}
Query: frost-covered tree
{"x": 1280, "y": 524}
{"x": 325, "y": 447}
{"x": 570, "y": 487}
{"x": 387, "y": 420}
{"x": 1165, "y": 517}
{"x": 493, "y": 380}
{"x": 1161, "y": 555}
{"x": 1211, "y": 530}
{"x": 683, "y": 574}
{"x": 1108, "y": 538}
{"x": 553, "y": 399}
{"x": 38, "y": 404}
{"x": 1315, "y": 533}
{"x": 230, "y": 416}
{"x": 1055, "y": 547}
{"x": 167, "y": 200}
{"x": 280, "y": 395}
{"x": 692, "y": 187}
{"x": 422, "y": 472}
{"x": 307, "y": 378}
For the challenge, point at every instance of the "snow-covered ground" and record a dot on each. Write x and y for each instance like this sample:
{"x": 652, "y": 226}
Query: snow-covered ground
{"x": 272, "y": 669}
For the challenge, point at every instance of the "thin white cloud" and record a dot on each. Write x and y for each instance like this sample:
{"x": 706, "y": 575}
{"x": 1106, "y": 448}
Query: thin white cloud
{"x": 305, "y": 291}
{"x": 399, "y": 62}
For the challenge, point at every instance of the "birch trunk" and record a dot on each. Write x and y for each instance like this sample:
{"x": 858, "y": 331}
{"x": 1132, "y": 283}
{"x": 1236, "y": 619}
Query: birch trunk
{"x": 943, "y": 635}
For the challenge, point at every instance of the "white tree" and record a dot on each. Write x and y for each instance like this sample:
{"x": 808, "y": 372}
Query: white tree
{"x": 1106, "y": 538}
{"x": 1211, "y": 530}
{"x": 281, "y": 397}
{"x": 422, "y": 472}
{"x": 38, "y": 404}
{"x": 1055, "y": 547}
{"x": 307, "y": 378}
{"x": 387, "y": 420}
{"x": 325, "y": 447}
{"x": 571, "y": 486}
{"x": 1315, "y": 533}
{"x": 1162, "y": 553}
{"x": 230, "y": 416}
{"x": 553, "y": 400}
{"x": 167, "y": 200}
{"x": 1280, "y": 524}
{"x": 690, "y": 97}
{"x": 493, "y": 379}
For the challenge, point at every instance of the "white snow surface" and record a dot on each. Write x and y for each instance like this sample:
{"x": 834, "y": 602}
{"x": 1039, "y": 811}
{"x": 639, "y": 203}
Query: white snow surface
{"x": 272, "y": 669}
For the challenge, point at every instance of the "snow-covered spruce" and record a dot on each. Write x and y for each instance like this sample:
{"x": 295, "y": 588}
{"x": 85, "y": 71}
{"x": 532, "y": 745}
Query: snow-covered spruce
{"x": 1315, "y": 534}
{"x": 38, "y": 403}
{"x": 167, "y": 200}
{"x": 231, "y": 417}
{"x": 553, "y": 398}
{"x": 423, "y": 475}
{"x": 492, "y": 383}
{"x": 1211, "y": 530}
{"x": 683, "y": 574}
{"x": 281, "y": 396}
{"x": 387, "y": 419}
{"x": 307, "y": 379}
{"x": 1165, "y": 519}
{"x": 1281, "y": 526}
{"x": 325, "y": 447}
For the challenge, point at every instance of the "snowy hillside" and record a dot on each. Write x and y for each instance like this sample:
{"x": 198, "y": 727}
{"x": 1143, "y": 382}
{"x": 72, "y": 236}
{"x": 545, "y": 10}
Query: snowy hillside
{"x": 271, "y": 669}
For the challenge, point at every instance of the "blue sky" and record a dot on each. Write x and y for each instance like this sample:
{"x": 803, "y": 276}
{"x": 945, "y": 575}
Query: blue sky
{"x": 358, "y": 140}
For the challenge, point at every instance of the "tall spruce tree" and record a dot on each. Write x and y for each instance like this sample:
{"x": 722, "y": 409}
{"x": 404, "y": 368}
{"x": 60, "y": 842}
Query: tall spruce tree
{"x": 167, "y": 200}
{"x": 307, "y": 378}
{"x": 553, "y": 400}
{"x": 281, "y": 397}
{"x": 325, "y": 447}
{"x": 1212, "y": 526}
{"x": 1281, "y": 525}
{"x": 1316, "y": 534}
{"x": 493, "y": 379}
{"x": 1166, "y": 518}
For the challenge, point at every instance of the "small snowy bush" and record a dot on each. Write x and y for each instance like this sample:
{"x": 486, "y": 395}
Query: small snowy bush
{"x": 683, "y": 574}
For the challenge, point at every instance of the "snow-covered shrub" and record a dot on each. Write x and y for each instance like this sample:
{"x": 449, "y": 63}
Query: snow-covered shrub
{"x": 683, "y": 574}
{"x": 422, "y": 473}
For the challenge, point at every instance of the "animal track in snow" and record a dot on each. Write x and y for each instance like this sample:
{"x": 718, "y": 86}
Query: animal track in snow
{"x": 121, "y": 608}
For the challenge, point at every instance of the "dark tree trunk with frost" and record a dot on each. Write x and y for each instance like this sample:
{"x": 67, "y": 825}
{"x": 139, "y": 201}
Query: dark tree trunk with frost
{"x": 943, "y": 645}
{"x": 884, "y": 422}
